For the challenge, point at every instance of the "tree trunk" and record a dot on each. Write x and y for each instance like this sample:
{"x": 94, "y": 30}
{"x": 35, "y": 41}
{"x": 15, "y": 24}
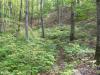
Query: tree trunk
{"x": 42, "y": 22}
{"x": 20, "y": 15}
{"x": 97, "y": 54}
{"x": 58, "y": 11}
{"x": 31, "y": 13}
{"x": 61, "y": 14}
{"x": 72, "y": 33}
{"x": 4, "y": 16}
{"x": 38, "y": 17}
{"x": 10, "y": 9}
{"x": 26, "y": 24}
{"x": 0, "y": 18}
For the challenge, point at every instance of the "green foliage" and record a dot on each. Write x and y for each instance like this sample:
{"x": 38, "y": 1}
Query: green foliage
{"x": 58, "y": 33}
{"x": 17, "y": 56}
{"x": 75, "y": 48}
{"x": 85, "y": 10}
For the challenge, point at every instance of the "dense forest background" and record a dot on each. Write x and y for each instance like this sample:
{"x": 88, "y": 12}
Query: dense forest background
{"x": 49, "y": 37}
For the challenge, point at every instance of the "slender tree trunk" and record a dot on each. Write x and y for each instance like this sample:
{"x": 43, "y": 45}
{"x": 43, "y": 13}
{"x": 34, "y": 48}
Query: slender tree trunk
{"x": 72, "y": 33}
{"x": 26, "y": 24}
{"x": 61, "y": 22}
{"x": 10, "y": 9}
{"x": 57, "y": 6}
{"x": 6, "y": 12}
{"x": 4, "y": 16}
{"x": 20, "y": 15}
{"x": 31, "y": 13}
{"x": 0, "y": 17}
{"x": 42, "y": 21}
{"x": 97, "y": 54}
{"x": 38, "y": 17}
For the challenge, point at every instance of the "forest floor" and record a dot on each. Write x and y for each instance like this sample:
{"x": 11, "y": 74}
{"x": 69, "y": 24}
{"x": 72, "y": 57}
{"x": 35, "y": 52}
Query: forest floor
{"x": 84, "y": 65}
{"x": 71, "y": 58}
{"x": 80, "y": 66}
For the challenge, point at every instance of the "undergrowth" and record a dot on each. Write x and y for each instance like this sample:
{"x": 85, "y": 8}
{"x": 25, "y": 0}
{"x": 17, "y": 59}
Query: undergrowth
{"x": 18, "y": 57}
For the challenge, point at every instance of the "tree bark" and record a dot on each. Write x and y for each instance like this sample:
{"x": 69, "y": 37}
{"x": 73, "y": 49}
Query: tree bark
{"x": 31, "y": 13}
{"x": 72, "y": 33}
{"x": 0, "y": 18}
{"x": 58, "y": 11}
{"x": 10, "y": 8}
{"x": 97, "y": 53}
{"x": 42, "y": 21}
{"x": 26, "y": 24}
{"x": 4, "y": 16}
{"x": 20, "y": 15}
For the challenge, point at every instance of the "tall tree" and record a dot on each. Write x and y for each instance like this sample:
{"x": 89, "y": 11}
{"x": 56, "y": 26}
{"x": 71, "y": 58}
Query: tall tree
{"x": 38, "y": 17}
{"x": 59, "y": 7}
{"x": 20, "y": 17}
{"x": 10, "y": 8}
{"x": 58, "y": 11}
{"x": 0, "y": 17}
{"x": 20, "y": 14}
{"x": 26, "y": 22}
{"x": 61, "y": 14}
{"x": 97, "y": 54}
{"x": 32, "y": 7}
{"x": 41, "y": 17}
{"x": 72, "y": 33}
{"x": 4, "y": 15}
